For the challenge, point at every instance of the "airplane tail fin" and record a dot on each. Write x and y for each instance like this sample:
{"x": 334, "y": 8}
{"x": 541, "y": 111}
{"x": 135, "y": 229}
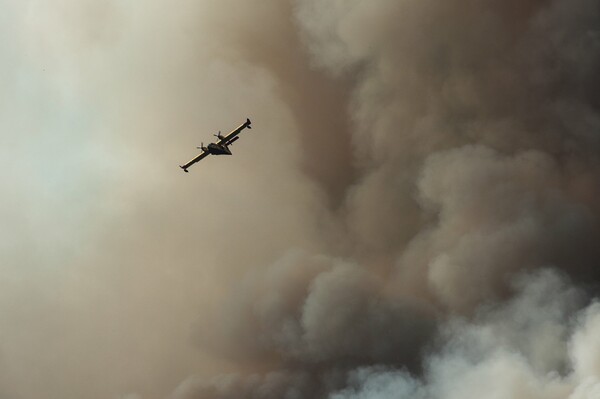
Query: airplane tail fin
{"x": 248, "y": 123}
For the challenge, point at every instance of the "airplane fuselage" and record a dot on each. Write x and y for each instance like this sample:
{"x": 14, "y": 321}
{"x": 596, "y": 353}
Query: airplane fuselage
{"x": 216, "y": 149}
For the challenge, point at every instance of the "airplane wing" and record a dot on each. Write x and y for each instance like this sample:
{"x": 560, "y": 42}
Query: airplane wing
{"x": 200, "y": 157}
{"x": 229, "y": 138}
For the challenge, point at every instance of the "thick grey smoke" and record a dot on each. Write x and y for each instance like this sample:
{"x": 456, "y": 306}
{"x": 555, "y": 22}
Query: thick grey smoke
{"x": 414, "y": 215}
{"x": 530, "y": 347}
{"x": 475, "y": 138}
{"x": 317, "y": 310}
{"x": 543, "y": 343}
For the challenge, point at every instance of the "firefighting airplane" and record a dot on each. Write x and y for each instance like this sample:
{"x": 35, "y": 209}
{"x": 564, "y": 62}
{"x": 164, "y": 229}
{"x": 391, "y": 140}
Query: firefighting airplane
{"x": 221, "y": 147}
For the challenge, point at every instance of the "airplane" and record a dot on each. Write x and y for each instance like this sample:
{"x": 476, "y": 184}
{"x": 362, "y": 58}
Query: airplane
{"x": 221, "y": 147}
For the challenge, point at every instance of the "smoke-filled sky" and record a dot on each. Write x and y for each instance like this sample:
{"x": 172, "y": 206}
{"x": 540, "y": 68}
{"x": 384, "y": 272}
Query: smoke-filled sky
{"x": 415, "y": 213}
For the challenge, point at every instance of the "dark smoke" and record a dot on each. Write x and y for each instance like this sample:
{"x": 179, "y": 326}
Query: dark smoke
{"x": 469, "y": 157}
{"x": 313, "y": 310}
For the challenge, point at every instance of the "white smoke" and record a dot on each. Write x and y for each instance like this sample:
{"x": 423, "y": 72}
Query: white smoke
{"x": 527, "y": 348}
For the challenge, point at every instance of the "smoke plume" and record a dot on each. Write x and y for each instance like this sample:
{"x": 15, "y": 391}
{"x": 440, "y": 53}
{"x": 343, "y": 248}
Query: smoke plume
{"x": 474, "y": 139}
{"x": 415, "y": 213}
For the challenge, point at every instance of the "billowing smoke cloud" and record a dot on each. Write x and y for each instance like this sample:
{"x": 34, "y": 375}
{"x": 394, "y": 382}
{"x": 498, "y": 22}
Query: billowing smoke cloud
{"x": 316, "y": 310}
{"x": 414, "y": 215}
{"x": 474, "y": 132}
{"x": 527, "y": 348}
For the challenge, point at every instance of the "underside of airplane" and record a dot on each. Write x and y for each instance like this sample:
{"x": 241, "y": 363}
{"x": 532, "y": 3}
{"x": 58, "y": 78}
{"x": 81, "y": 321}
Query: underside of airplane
{"x": 221, "y": 147}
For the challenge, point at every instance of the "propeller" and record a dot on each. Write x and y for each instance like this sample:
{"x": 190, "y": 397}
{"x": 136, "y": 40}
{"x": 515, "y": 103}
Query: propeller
{"x": 218, "y": 135}
{"x": 201, "y": 146}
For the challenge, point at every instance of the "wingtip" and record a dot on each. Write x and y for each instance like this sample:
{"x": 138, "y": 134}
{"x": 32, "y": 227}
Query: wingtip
{"x": 248, "y": 122}
{"x": 184, "y": 169}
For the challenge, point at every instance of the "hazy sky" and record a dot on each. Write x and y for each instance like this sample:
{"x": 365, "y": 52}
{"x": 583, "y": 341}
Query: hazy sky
{"x": 415, "y": 213}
